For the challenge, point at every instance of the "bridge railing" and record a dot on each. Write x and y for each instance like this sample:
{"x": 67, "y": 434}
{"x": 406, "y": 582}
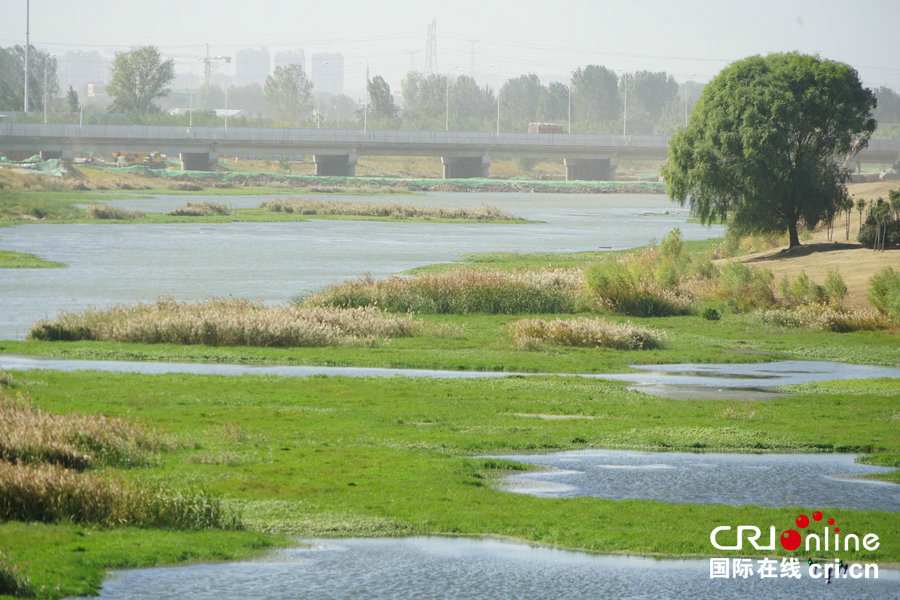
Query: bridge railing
{"x": 326, "y": 136}
{"x": 349, "y": 137}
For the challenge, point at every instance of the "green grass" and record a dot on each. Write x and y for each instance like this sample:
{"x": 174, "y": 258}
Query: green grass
{"x": 396, "y": 456}
{"x": 71, "y": 560}
{"x": 27, "y": 206}
{"x": 510, "y": 261}
{"x": 24, "y": 260}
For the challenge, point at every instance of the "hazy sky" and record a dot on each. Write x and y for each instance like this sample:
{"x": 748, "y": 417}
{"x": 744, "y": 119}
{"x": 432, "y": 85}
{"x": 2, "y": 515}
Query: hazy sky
{"x": 691, "y": 39}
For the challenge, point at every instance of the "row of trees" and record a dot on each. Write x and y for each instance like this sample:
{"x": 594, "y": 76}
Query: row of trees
{"x": 42, "y": 79}
{"x": 595, "y": 99}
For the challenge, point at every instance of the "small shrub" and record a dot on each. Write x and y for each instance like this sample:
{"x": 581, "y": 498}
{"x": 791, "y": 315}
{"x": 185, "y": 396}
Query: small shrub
{"x": 744, "y": 288}
{"x": 103, "y": 211}
{"x": 835, "y": 288}
{"x": 710, "y": 313}
{"x": 200, "y": 209}
{"x": 593, "y": 333}
{"x": 884, "y": 293}
{"x": 524, "y": 164}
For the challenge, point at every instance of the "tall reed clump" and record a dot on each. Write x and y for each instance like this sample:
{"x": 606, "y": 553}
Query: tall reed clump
{"x": 75, "y": 441}
{"x": 103, "y": 211}
{"x": 308, "y": 206}
{"x": 804, "y": 290}
{"x": 51, "y": 493}
{"x": 659, "y": 281}
{"x": 227, "y": 322}
{"x": 461, "y": 291}
{"x": 884, "y": 293}
{"x": 42, "y": 462}
{"x": 744, "y": 288}
{"x": 200, "y": 209}
{"x": 534, "y": 334}
{"x": 820, "y": 316}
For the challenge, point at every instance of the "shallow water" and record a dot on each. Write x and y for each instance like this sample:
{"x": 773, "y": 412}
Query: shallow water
{"x": 809, "y": 480}
{"x": 274, "y": 262}
{"x": 753, "y": 381}
{"x": 461, "y": 568}
{"x": 722, "y": 381}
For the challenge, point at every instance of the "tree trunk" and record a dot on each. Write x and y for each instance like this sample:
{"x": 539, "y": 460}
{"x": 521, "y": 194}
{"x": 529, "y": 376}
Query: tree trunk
{"x": 794, "y": 236}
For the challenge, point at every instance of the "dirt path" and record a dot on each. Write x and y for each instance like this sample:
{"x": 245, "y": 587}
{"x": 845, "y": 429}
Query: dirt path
{"x": 817, "y": 255}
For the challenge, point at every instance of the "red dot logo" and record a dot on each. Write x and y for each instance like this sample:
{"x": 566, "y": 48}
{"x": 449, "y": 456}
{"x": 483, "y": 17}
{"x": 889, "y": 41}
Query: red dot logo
{"x": 790, "y": 540}
{"x": 802, "y": 521}
{"x": 831, "y": 521}
{"x": 836, "y": 529}
{"x": 817, "y": 516}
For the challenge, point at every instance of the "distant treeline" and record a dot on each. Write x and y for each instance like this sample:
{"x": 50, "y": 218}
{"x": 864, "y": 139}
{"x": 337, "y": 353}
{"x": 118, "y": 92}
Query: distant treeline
{"x": 595, "y": 99}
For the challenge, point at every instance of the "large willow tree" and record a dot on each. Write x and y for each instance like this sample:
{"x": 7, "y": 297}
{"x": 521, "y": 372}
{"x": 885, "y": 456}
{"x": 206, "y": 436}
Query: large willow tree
{"x": 766, "y": 143}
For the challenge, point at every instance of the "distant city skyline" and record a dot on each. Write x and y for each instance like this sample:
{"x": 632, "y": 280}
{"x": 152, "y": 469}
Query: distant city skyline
{"x": 493, "y": 41}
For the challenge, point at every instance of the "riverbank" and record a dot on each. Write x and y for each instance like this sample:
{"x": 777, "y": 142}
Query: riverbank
{"x": 338, "y": 456}
{"x": 93, "y": 177}
{"x": 387, "y": 456}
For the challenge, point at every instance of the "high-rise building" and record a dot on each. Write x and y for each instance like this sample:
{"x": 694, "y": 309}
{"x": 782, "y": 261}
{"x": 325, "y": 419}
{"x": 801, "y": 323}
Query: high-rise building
{"x": 327, "y": 72}
{"x": 79, "y": 68}
{"x": 251, "y": 66}
{"x": 289, "y": 57}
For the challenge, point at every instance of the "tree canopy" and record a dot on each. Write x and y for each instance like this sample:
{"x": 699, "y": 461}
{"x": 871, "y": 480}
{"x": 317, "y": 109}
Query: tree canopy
{"x": 139, "y": 77}
{"x": 289, "y": 93}
{"x": 766, "y": 140}
{"x": 42, "y": 67}
{"x": 381, "y": 102}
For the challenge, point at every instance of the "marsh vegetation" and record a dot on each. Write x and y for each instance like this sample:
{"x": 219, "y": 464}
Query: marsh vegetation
{"x": 228, "y": 322}
{"x": 308, "y": 206}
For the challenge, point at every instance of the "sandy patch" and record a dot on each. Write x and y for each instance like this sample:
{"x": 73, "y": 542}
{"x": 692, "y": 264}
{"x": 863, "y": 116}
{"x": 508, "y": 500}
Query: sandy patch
{"x": 817, "y": 255}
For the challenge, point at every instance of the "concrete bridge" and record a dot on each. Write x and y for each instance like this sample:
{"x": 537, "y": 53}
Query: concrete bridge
{"x": 335, "y": 152}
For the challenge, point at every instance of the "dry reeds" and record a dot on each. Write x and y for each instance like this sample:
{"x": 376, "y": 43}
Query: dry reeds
{"x": 42, "y": 457}
{"x": 821, "y": 316}
{"x": 75, "y": 441}
{"x": 461, "y": 291}
{"x": 227, "y": 322}
{"x": 51, "y": 493}
{"x": 533, "y": 334}
{"x": 308, "y": 206}
{"x": 103, "y": 211}
{"x": 200, "y": 209}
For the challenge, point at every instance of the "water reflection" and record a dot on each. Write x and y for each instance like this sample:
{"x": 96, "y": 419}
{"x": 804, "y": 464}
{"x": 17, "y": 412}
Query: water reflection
{"x": 460, "y": 568}
{"x": 810, "y": 480}
{"x": 752, "y": 381}
{"x": 275, "y": 261}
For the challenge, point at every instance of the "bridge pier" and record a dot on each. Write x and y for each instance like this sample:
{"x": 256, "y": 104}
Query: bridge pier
{"x": 60, "y": 154}
{"x": 465, "y": 167}
{"x": 590, "y": 169}
{"x": 199, "y": 161}
{"x": 340, "y": 165}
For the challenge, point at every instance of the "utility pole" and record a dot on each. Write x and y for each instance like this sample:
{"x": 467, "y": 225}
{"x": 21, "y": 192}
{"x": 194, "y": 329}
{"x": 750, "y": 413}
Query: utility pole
{"x": 27, "y": 47}
{"x": 431, "y": 66}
